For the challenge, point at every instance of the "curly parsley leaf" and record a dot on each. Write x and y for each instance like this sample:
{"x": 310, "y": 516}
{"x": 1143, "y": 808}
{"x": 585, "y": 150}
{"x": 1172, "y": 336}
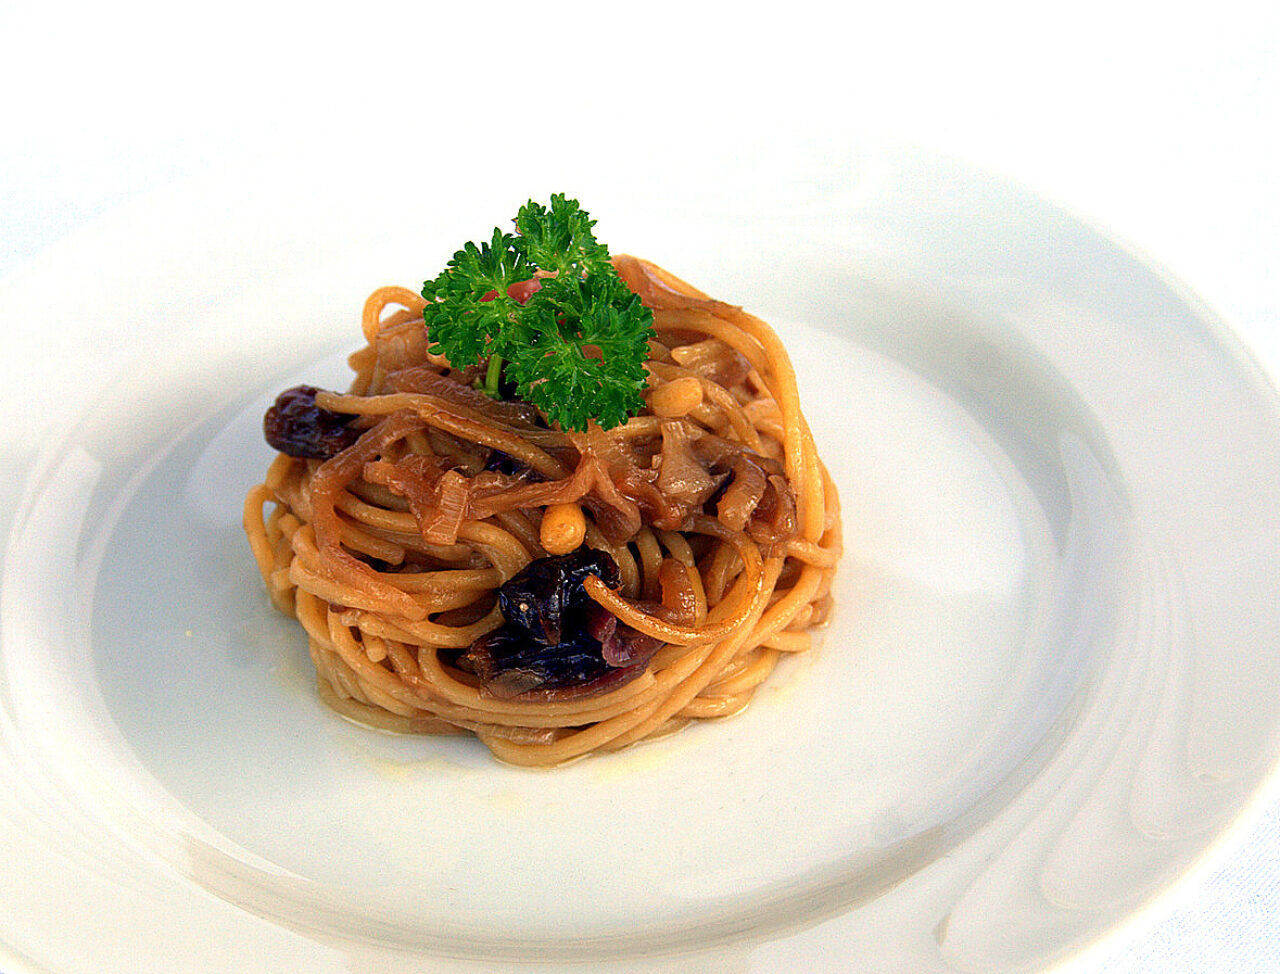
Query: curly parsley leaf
{"x": 460, "y": 318}
{"x": 559, "y": 238}
{"x": 575, "y": 346}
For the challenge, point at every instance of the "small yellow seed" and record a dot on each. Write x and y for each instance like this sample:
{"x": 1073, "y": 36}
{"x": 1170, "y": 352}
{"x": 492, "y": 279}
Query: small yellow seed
{"x": 563, "y": 528}
{"x": 677, "y": 397}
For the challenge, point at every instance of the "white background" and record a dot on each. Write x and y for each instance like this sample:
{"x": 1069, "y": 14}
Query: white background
{"x": 1160, "y": 122}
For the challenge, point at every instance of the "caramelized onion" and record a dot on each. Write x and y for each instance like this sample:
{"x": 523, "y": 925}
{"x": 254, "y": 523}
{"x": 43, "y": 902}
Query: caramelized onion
{"x": 401, "y": 345}
{"x": 775, "y": 516}
{"x": 451, "y": 493}
{"x": 432, "y": 382}
{"x": 685, "y": 484}
{"x": 679, "y": 601}
{"x": 713, "y": 359}
{"x": 742, "y": 495}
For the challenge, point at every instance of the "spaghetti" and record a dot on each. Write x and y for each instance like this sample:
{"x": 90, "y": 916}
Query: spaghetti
{"x": 713, "y": 525}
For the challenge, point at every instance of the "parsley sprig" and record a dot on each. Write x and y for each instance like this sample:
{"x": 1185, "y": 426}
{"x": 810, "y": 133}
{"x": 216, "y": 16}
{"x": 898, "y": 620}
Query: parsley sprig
{"x": 575, "y": 347}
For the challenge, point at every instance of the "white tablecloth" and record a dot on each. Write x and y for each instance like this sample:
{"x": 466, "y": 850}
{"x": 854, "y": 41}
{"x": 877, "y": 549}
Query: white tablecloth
{"x": 1159, "y": 121}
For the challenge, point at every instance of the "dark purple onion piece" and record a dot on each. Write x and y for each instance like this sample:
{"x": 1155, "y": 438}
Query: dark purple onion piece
{"x": 555, "y": 638}
{"x": 500, "y": 462}
{"x": 548, "y": 599}
{"x": 626, "y": 646}
{"x": 509, "y": 662}
{"x": 295, "y": 425}
{"x": 600, "y": 622}
{"x": 503, "y": 463}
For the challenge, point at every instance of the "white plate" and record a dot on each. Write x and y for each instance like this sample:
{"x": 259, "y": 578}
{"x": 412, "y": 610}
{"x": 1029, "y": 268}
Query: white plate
{"x": 1051, "y": 686}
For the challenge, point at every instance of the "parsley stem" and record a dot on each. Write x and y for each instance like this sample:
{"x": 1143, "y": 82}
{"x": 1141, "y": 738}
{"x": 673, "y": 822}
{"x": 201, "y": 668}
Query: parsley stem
{"x": 492, "y": 376}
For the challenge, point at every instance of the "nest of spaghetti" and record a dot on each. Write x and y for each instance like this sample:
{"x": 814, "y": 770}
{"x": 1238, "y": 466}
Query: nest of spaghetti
{"x": 460, "y": 566}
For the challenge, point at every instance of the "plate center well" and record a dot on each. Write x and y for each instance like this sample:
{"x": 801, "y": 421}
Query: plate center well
{"x": 929, "y": 687}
